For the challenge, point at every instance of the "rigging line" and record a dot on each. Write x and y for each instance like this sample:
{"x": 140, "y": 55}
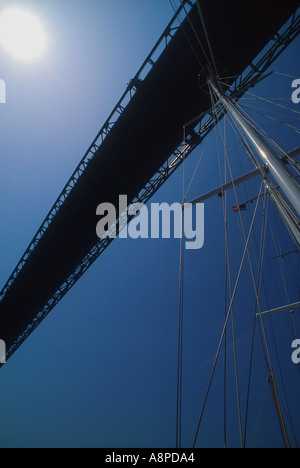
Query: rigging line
{"x": 255, "y": 237}
{"x": 284, "y": 255}
{"x": 273, "y": 102}
{"x": 260, "y": 412}
{"x": 252, "y": 156}
{"x": 264, "y": 114}
{"x": 279, "y": 412}
{"x": 279, "y": 197}
{"x": 261, "y": 255}
{"x": 243, "y": 230}
{"x": 235, "y": 86}
{"x": 281, "y": 267}
{"x": 180, "y": 345}
{"x": 289, "y": 258}
{"x": 225, "y": 338}
{"x": 258, "y": 127}
{"x": 227, "y": 281}
{"x": 255, "y": 162}
{"x": 271, "y": 372}
{"x": 207, "y": 37}
{"x": 180, "y": 322}
{"x": 245, "y": 144}
{"x": 272, "y": 111}
{"x": 228, "y": 264}
{"x": 271, "y": 141}
{"x": 232, "y": 315}
{"x": 276, "y": 289}
{"x": 225, "y": 324}
{"x": 197, "y": 38}
{"x": 237, "y": 201}
{"x": 283, "y": 201}
{"x": 283, "y": 384}
{"x": 282, "y": 380}
{"x": 276, "y": 348}
{"x": 265, "y": 294}
{"x": 270, "y": 365}
{"x": 255, "y": 290}
{"x": 254, "y": 234}
{"x": 284, "y": 74}
{"x": 185, "y": 33}
{"x": 278, "y": 258}
{"x": 215, "y": 170}
{"x": 197, "y": 167}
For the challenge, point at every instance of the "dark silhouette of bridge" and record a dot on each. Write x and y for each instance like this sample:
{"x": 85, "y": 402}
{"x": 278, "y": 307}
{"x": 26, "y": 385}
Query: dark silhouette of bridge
{"x": 141, "y": 143}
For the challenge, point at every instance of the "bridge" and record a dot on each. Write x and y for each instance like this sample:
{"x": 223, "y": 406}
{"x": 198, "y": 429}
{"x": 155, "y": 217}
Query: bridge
{"x": 142, "y": 143}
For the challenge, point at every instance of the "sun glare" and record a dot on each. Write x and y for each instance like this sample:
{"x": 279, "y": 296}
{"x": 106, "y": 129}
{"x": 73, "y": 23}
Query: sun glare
{"x": 21, "y": 34}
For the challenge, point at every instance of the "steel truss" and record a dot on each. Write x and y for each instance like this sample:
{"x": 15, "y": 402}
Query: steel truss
{"x": 193, "y": 136}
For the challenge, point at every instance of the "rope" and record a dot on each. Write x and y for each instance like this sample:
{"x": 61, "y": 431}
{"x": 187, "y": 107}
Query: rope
{"x": 232, "y": 315}
{"x": 225, "y": 325}
{"x": 185, "y": 33}
{"x": 197, "y": 167}
{"x": 228, "y": 268}
{"x": 261, "y": 255}
{"x": 196, "y": 35}
{"x": 227, "y": 280}
{"x": 260, "y": 412}
{"x": 273, "y": 102}
{"x": 270, "y": 140}
{"x": 270, "y": 365}
{"x": 180, "y": 344}
{"x": 180, "y": 324}
{"x": 207, "y": 38}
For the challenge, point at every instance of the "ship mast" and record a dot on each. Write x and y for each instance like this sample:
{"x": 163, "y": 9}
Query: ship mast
{"x": 268, "y": 162}
{"x": 289, "y": 209}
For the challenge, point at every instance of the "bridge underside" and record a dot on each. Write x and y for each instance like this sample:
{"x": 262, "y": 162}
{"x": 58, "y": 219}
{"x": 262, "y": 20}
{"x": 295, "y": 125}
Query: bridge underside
{"x": 145, "y": 135}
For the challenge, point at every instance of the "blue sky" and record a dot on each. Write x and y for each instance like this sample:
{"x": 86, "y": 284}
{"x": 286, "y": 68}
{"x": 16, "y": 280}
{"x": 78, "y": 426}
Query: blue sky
{"x": 100, "y": 371}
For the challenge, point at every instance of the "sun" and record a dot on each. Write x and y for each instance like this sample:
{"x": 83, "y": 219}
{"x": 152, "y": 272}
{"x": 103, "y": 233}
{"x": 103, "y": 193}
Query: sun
{"x": 21, "y": 34}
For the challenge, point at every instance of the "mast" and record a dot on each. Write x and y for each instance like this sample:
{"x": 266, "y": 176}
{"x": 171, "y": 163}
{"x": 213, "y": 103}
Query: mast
{"x": 289, "y": 211}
